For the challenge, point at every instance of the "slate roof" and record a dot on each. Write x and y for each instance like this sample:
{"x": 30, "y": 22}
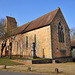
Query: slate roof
{"x": 37, "y": 23}
{"x": 72, "y": 42}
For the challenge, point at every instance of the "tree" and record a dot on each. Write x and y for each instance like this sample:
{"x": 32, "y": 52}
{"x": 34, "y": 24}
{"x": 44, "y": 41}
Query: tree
{"x": 7, "y": 32}
{"x": 72, "y": 33}
{"x": 1, "y": 26}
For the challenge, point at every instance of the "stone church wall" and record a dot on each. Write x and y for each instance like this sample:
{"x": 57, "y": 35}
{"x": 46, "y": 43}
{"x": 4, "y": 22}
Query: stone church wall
{"x": 56, "y": 45}
{"x": 43, "y": 43}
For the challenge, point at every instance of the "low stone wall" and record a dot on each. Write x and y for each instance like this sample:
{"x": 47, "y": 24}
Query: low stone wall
{"x": 62, "y": 59}
{"x": 25, "y": 61}
{"x": 73, "y": 59}
{"x": 41, "y": 61}
{"x": 2, "y": 66}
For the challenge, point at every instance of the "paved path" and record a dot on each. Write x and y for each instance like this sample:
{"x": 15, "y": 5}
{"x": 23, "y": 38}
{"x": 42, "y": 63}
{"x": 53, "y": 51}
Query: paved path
{"x": 19, "y": 73}
{"x": 15, "y": 73}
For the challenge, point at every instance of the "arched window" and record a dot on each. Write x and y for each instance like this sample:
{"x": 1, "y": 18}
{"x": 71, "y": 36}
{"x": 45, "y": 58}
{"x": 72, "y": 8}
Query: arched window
{"x": 35, "y": 40}
{"x": 17, "y": 46}
{"x": 60, "y": 33}
{"x": 26, "y": 42}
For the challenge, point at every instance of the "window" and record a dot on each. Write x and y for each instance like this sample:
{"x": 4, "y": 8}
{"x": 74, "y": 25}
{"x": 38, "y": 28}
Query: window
{"x": 17, "y": 46}
{"x": 63, "y": 53}
{"x": 60, "y": 33}
{"x": 26, "y": 42}
{"x": 20, "y": 46}
{"x": 35, "y": 40}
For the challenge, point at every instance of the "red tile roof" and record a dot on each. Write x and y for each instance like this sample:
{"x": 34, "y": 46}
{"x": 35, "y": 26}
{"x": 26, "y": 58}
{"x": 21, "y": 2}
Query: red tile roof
{"x": 72, "y": 42}
{"x": 37, "y": 23}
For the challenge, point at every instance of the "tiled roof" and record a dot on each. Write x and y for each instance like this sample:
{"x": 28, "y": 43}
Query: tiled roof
{"x": 37, "y": 23}
{"x": 72, "y": 42}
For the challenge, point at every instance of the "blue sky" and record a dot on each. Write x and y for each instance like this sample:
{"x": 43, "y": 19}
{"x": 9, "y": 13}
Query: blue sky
{"x": 27, "y": 10}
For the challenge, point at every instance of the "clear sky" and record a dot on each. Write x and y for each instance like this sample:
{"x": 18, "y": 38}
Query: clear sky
{"x": 27, "y": 10}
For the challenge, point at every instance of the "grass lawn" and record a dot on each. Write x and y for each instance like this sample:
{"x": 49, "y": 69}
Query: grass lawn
{"x": 20, "y": 58}
{"x": 8, "y": 62}
{"x": 64, "y": 68}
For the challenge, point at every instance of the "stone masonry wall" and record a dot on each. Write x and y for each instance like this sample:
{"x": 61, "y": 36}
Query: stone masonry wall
{"x": 43, "y": 43}
{"x": 56, "y": 45}
{"x": 9, "y": 24}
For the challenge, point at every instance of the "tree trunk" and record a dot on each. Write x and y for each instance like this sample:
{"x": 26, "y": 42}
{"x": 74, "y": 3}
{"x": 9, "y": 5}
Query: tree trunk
{"x": 10, "y": 50}
{"x": 1, "y": 53}
{"x": 10, "y": 54}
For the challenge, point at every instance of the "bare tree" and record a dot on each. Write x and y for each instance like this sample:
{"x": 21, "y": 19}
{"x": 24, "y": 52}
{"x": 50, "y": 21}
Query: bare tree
{"x": 72, "y": 33}
{"x": 1, "y": 26}
{"x": 7, "y": 33}
{"x": 4, "y": 36}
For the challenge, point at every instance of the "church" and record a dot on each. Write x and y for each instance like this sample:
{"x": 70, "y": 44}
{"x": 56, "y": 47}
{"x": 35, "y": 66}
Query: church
{"x": 49, "y": 32}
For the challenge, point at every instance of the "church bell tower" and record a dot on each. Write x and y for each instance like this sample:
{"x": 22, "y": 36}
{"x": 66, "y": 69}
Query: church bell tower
{"x": 9, "y": 24}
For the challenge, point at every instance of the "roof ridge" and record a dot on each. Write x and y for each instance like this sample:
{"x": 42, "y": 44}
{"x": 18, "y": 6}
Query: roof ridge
{"x": 41, "y": 21}
{"x": 40, "y": 16}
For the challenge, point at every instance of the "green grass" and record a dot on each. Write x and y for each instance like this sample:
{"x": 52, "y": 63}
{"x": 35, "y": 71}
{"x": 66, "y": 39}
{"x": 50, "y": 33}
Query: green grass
{"x": 20, "y": 58}
{"x": 13, "y": 58}
{"x": 8, "y": 62}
